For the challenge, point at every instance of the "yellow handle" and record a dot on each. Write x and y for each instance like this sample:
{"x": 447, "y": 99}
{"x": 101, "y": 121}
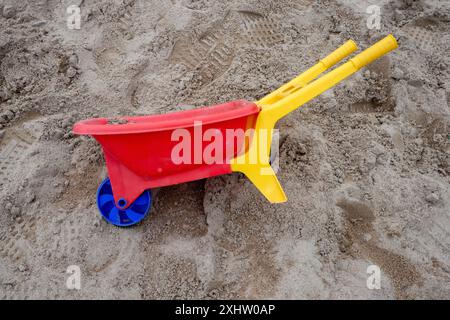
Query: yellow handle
{"x": 299, "y": 97}
{"x": 303, "y": 79}
{"x": 259, "y": 171}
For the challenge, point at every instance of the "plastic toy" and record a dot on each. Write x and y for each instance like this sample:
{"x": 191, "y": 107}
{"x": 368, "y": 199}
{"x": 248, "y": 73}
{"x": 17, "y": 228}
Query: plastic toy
{"x": 139, "y": 150}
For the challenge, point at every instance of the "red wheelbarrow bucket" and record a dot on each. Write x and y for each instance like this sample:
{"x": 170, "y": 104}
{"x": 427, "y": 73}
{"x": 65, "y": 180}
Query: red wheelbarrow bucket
{"x": 145, "y": 152}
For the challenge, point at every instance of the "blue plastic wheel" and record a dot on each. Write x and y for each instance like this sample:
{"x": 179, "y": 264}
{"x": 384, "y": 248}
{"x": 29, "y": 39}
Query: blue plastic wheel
{"x": 137, "y": 211}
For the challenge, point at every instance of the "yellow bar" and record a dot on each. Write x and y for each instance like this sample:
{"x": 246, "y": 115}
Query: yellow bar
{"x": 302, "y": 80}
{"x": 299, "y": 97}
{"x": 259, "y": 172}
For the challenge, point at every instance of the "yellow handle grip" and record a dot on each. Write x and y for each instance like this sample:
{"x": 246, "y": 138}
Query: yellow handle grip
{"x": 374, "y": 52}
{"x": 297, "y": 98}
{"x": 340, "y": 53}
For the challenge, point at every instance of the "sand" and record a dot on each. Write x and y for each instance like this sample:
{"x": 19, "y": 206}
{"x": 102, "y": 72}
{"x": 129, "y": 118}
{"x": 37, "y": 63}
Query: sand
{"x": 365, "y": 166}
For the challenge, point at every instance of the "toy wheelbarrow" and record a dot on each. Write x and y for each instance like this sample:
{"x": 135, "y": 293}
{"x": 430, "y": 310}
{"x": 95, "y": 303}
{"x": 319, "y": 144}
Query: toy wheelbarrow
{"x": 146, "y": 152}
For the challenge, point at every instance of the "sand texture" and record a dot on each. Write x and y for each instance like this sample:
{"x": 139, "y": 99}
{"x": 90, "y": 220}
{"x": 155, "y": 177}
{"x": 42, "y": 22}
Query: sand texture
{"x": 366, "y": 166}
